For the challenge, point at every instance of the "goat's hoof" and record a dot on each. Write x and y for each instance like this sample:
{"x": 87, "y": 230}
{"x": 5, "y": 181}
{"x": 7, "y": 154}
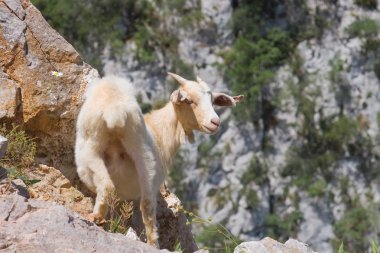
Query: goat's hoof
{"x": 96, "y": 218}
{"x": 153, "y": 243}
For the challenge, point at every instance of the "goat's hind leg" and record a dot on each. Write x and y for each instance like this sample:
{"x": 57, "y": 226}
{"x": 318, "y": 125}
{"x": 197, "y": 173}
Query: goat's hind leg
{"x": 146, "y": 161}
{"x": 104, "y": 187}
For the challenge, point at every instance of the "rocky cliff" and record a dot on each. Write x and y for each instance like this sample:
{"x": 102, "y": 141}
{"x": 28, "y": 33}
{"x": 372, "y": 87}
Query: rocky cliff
{"x": 42, "y": 83}
{"x": 302, "y": 163}
{"x": 42, "y": 80}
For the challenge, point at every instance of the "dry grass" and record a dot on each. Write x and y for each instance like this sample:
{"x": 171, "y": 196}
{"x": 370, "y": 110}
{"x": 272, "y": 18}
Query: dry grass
{"x": 21, "y": 148}
{"x": 120, "y": 213}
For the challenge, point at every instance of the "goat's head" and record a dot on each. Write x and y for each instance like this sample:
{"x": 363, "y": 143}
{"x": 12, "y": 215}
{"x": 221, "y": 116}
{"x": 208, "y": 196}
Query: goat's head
{"x": 193, "y": 103}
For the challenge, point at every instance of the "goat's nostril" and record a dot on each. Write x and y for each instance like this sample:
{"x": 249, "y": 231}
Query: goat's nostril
{"x": 215, "y": 121}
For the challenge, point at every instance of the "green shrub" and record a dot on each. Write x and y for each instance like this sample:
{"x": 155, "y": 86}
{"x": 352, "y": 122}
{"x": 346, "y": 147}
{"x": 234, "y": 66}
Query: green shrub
{"x": 145, "y": 107}
{"x": 90, "y": 25}
{"x": 21, "y": 148}
{"x": 371, "y": 45}
{"x": 376, "y": 68}
{"x": 250, "y": 65}
{"x": 317, "y": 188}
{"x": 363, "y": 28}
{"x": 353, "y": 228}
{"x": 369, "y": 4}
{"x": 282, "y": 228}
{"x": 256, "y": 172}
{"x": 217, "y": 238}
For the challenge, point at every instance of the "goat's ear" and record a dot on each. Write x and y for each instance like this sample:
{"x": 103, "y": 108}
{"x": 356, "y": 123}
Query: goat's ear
{"x": 199, "y": 80}
{"x": 222, "y": 99}
{"x": 179, "y": 96}
{"x": 179, "y": 79}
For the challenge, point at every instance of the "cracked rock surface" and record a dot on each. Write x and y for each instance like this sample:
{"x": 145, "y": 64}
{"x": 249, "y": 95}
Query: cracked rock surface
{"x": 42, "y": 80}
{"x": 29, "y": 225}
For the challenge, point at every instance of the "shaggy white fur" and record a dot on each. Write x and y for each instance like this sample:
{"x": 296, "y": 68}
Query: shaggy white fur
{"x": 114, "y": 150}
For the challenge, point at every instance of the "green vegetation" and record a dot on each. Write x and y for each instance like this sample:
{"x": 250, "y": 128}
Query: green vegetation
{"x": 371, "y": 45}
{"x": 250, "y": 66}
{"x": 145, "y": 107}
{"x": 376, "y": 68}
{"x": 217, "y": 238}
{"x": 21, "y": 148}
{"x": 375, "y": 247}
{"x": 214, "y": 237}
{"x": 20, "y": 153}
{"x": 256, "y": 172}
{"x": 283, "y": 228}
{"x": 91, "y": 26}
{"x": 120, "y": 213}
{"x": 353, "y": 228}
{"x": 363, "y": 28}
{"x": 369, "y": 4}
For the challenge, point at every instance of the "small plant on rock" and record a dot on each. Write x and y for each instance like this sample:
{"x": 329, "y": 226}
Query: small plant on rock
{"x": 120, "y": 213}
{"x": 216, "y": 236}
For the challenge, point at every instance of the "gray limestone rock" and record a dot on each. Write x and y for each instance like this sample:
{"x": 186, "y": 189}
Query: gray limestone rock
{"x": 28, "y": 225}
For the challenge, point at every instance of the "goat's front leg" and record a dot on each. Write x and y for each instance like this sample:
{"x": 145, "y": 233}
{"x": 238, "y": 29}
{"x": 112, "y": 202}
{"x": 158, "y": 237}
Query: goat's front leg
{"x": 148, "y": 165}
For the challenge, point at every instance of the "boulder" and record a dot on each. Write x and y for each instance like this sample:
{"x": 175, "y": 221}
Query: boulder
{"x": 49, "y": 184}
{"x": 42, "y": 81}
{"x": 268, "y": 245}
{"x": 29, "y": 225}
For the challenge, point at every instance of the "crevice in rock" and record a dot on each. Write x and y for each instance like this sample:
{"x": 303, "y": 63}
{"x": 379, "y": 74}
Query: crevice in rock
{"x": 5, "y": 246}
{"x": 12, "y": 11}
{"x": 10, "y": 63}
{"x": 10, "y": 212}
{"x": 46, "y": 56}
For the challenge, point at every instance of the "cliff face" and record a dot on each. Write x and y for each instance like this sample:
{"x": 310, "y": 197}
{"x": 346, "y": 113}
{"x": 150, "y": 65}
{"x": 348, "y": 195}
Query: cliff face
{"x": 42, "y": 79}
{"x": 311, "y": 173}
{"x": 331, "y": 76}
{"x": 42, "y": 83}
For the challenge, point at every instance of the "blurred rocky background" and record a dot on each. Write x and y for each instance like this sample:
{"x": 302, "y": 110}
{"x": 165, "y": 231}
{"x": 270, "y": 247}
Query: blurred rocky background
{"x": 298, "y": 159}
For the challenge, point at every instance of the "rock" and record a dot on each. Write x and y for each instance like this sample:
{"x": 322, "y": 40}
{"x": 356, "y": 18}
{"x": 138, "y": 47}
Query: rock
{"x": 172, "y": 227}
{"x": 3, "y": 145}
{"x": 49, "y": 184}
{"x": 12, "y": 186}
{"x": 54, "y": 186}
{"x": 41, "y": 69}
{"x": 25, "y": 224}
{"x": 172, "y": 223}
{"x": 42, "y": 82}
{"x": 10, "y": 97}
{"x": 268, "y": 245}
{"x": 132, "y": 234}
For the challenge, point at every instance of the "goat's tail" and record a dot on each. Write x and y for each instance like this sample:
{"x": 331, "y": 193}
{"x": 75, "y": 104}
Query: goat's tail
{"x": 115, "y": 115}
{"x": 116, "y": 98}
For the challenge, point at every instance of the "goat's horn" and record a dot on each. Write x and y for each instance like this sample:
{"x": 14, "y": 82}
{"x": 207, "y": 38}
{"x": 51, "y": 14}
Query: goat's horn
{"x": 180, "y": 79}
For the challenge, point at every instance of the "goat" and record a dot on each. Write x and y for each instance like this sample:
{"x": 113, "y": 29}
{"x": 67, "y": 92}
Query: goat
{"x": 118, "y": 148}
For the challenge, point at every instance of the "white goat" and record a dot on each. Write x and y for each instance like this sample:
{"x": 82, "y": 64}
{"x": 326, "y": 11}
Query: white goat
{"x": 117, "y": 148}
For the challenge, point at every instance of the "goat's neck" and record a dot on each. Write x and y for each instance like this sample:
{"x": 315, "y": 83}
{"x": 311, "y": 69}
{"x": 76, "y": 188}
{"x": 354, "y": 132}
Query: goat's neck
{"x": 167, "y": 132}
